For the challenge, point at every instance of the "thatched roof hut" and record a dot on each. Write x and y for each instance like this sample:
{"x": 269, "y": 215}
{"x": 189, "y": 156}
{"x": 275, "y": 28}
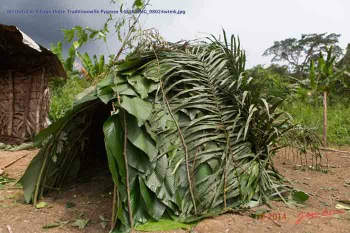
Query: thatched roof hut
{"x": 25, "y": 69}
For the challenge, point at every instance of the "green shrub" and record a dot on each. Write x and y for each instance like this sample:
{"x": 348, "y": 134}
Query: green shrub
{"x": 275, "y": 80}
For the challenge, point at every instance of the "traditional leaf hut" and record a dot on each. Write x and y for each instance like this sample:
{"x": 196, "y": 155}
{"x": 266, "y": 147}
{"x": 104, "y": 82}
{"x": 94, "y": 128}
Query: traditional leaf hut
{"x": 25, "y": 69}
{"x": 182, "y": 132}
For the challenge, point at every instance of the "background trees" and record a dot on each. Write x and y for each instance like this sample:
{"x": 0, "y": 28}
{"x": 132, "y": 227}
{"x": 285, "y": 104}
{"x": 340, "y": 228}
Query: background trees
{"x": 316, "y": 83}
{"x": 345, "y": 61}
{"x": 297, "y": 53}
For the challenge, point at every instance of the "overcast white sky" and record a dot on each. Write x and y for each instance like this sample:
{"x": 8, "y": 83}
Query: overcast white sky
{"x": 258, "y": 23}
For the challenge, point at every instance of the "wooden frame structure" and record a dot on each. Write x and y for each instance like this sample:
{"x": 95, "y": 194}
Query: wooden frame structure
{"x": 25, "y": 70}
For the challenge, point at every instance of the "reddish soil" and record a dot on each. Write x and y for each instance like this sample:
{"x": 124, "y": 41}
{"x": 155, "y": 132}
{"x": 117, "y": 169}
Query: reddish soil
{"x": 93, "y": 199}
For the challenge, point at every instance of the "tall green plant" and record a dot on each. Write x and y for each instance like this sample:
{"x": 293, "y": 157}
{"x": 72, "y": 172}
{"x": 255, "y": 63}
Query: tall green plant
{"x": 68, "y": 62}
{"x": 322, "y": 78}
{"x": 94, "y": 68}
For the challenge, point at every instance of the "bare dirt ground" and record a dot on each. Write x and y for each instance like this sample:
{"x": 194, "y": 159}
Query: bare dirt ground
{"x": 93, "y": 199}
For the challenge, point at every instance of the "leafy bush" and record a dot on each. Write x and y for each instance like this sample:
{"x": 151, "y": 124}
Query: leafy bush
{"x": 63, "y": 91}
{"x": 275, "y": 80}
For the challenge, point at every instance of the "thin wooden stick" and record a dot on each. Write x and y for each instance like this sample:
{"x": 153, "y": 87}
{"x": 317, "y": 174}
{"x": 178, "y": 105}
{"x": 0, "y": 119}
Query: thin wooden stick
{"x": 115, "y": 194}
{"x": 307, "y": 165}
{"x": 325, "y": 119}
{"x": 127, "y": 37}
{"x": 165, "y": 100}
{"x": 335, "y": 150}
{"x": 299, "y": 155}
{"x": 40, "y": 102}
{"x": 9, "y": 228}
{"x": 14, "y": 161}
{"x": 326, "y": 155}
{"x": 126, "y": 165}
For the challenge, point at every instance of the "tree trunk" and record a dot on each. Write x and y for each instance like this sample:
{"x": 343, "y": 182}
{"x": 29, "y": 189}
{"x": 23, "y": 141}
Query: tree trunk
{"x": 325, "y": 119}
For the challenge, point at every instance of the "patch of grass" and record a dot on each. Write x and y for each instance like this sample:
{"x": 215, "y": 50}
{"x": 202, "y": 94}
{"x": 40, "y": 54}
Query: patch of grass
{"x": 62, "y": 97}
{"x": 312, "y": 116}
{"x": 4, "y": 179}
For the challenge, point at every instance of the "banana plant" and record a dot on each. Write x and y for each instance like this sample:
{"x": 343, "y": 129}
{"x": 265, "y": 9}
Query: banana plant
{"x": 68, "y": 63}
{"x": 323, "y": 77}
{"x": 93, "y": 68}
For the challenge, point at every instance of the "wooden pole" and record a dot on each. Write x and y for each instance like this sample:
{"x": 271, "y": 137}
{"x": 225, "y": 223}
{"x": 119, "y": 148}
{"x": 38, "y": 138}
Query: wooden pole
{"x": 40, "y": 102}
{"x": 27, "y": 107}
{"x": 11, "y": 104}
{"x": 325, "y": 119}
